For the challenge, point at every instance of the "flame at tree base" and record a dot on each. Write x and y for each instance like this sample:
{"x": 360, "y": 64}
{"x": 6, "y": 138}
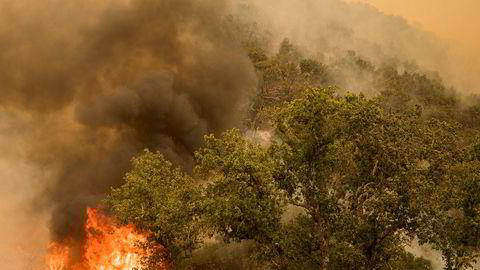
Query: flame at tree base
{"x": 107, "y": 247}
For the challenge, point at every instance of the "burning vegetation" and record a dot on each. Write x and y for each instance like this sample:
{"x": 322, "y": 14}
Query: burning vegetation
{"x": 108, "y": 246}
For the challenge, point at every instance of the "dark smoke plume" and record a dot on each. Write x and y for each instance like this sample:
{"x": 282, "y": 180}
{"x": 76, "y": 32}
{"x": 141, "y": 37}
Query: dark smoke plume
{"x": 105, "y": 79}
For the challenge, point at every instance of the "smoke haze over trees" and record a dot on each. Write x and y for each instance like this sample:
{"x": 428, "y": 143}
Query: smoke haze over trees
{"x": 87, "y": 85}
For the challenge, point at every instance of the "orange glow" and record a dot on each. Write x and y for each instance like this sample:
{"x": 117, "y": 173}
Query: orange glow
{"x": 107, "y": 247}
{"x": 57, "y": 257}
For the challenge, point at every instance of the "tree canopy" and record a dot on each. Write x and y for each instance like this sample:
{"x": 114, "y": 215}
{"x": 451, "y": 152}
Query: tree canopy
{"x": 342, "y": 181}
{"x": 365, "y": 181}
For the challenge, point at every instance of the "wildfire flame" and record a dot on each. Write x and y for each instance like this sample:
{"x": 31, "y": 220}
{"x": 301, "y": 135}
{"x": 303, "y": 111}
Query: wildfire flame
{"x": 107, "y": 247}
{"x": 57, "y": 257}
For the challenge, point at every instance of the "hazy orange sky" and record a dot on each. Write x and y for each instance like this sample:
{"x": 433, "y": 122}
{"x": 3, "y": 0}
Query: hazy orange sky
{"x": 458, "y": 20}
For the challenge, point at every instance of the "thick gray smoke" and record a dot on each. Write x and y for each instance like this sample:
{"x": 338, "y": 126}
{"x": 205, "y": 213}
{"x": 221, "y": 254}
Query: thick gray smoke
{"x": 103, "y": 80}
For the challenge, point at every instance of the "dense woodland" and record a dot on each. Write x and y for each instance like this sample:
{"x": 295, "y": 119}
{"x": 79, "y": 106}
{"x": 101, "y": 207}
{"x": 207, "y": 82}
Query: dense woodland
{"x": 339, "y": 165}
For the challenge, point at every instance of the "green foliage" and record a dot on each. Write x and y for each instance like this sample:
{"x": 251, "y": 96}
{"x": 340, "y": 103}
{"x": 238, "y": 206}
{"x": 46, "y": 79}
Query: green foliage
{"x": 352, "y": 165}
{"x": 221, "y": 256}
{"x": 283, "y": 76}
{"x": 407, "y": 261}
{"x": 159, "y": 198}
{"x": 240, "y": 199}
{"x": 294, "y": 246}
{"x": 459, "y": 231}
{"x": 366, "y": 180}
{"x": 415, "y": 88}
{"x": 365, "y": 175}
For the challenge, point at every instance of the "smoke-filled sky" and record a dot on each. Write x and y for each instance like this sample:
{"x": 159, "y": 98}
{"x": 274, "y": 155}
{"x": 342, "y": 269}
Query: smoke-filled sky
{"x": 457, "y": 20}
{"x": 321, "y": 26}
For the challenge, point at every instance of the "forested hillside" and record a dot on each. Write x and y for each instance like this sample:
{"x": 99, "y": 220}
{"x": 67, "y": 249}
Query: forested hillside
{"x": 339, "y": 164}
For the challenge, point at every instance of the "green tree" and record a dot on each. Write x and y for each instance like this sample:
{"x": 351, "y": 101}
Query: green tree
{"x": 352, "y": 165}
{"x": 159, "y": 198}
{"x": 240, "y": 199}
{"x": 282, "y": 77}
{"x": 459, "y": 230}
{"x": 407, "y": 261}
{"x": 363, "y": 180}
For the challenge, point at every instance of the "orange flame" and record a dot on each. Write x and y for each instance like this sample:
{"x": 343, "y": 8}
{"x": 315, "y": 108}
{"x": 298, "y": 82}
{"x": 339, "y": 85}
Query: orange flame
{"x": 107, "y": 247}
{"x": 57, "y": 257}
